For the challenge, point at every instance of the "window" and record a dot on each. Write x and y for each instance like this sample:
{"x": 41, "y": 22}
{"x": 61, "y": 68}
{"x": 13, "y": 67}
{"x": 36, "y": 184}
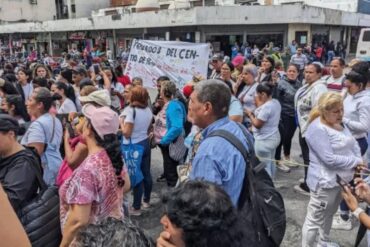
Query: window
{"x": 366, "y": 36}
{"x": 33, "y": 1}
{"x": 73, "y": 8}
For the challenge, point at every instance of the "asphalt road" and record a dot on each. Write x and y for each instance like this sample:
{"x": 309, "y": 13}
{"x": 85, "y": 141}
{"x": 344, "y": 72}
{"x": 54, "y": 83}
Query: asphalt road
{"x": 295, "y": 203}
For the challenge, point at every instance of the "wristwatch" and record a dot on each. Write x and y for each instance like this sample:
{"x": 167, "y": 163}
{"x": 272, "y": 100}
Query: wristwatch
{"x": 357, "y": 212}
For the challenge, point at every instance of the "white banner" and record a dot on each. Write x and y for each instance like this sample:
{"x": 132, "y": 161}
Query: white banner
{"x": 180, "y": 61}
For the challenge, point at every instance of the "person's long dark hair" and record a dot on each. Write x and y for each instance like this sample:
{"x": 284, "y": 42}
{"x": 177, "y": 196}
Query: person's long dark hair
{"x": 27, "y": 72}
{"x": 19, "y": 106}
{"x": 68, "y": 90}
{"x": 112, "y": 146}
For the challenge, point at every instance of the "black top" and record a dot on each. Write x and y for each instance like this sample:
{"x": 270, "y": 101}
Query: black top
{"x": 18, "y": 177}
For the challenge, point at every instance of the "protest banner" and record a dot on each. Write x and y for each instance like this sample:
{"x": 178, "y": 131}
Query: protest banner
{"x": 180, "y": 61}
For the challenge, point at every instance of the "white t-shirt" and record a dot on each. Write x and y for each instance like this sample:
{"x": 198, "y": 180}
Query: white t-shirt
{"x": 269, "y": 113}
{"x": 142, "y": 120}
{"x": 335, "y": 85}
{"x": 27, "y": 90}
{"x": 67, "y": 107}
{"x": 116, "y": 103}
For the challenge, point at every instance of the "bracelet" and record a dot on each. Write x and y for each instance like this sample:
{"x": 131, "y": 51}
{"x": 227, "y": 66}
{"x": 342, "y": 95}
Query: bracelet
{"x": 357, "y": 212}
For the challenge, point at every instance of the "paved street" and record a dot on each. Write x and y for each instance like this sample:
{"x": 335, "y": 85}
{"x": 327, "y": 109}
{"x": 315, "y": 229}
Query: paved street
{"x": 295, "y": 204}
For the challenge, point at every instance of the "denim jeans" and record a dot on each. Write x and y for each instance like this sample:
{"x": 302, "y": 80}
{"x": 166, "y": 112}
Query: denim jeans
{"x": 145, "y": 187}
{"x": 265, "y": 149}
{"x": 331, "y": 55}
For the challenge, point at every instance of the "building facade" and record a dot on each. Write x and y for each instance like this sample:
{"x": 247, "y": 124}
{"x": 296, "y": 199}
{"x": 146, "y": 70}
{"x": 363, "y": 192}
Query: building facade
{"x": 26, "y": 10}
{"x": 220, "y": 25}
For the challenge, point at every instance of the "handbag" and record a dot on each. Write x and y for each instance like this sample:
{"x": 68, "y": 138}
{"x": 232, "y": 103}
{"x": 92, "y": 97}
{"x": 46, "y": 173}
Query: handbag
{"x": 178, "y": 149}
{"x": 132, "y": 156}
{"x": 159, "y": 126}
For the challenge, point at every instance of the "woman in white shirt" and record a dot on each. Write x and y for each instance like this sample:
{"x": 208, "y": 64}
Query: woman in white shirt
{"x": 65, "y": 104}
{"x": 265, "y": 126}
{"x": 135, "y": 121}
{"x": 333, "y": 151}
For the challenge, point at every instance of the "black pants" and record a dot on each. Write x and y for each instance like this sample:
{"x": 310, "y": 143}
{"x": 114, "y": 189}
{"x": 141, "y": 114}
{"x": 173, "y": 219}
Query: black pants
{"x": 169, "y": 166}
{"x": 287, "y": 127}
{"x": 305, "y": 154}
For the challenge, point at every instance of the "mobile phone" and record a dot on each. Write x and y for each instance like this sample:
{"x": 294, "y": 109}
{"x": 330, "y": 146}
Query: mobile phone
{"x": 96, "y": 69}
{"x": 343, "y": 183}
{"x": 70, "y": 130}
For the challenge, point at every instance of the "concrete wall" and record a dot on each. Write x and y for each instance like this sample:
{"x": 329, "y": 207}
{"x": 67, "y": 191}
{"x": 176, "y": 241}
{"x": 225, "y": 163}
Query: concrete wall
{"x": 22, "y": 10}
{"x": 198, "y": 16}
{"x": 293, "y": 28}
{"x": 335, "y": 34}
{"x": 84, "y": 7}
{"x": 344, "y": 5}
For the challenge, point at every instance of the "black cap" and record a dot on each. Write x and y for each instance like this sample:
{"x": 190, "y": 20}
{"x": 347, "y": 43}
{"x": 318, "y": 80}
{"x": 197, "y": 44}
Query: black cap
{"x": 8, "y": 123}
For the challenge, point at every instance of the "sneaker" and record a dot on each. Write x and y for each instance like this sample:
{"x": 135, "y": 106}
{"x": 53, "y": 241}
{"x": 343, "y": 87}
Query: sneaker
{"x": 291, "y": 162}
{"x": 302, "y": 188}
{"x": 161, "y": 178}
{"x": 134, "y": 212}
{"x": 327, "y": 244}
{"x": 282, "y": 167}
{"x": 145, "y": 205}
{"x": 340, "y": 224}
{"x": 301, "y": 180}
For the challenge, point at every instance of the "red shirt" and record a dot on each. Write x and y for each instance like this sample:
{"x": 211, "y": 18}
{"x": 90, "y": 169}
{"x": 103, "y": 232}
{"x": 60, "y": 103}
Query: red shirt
{"x": 124, "y": 80}
{"x": 318, "y": 52}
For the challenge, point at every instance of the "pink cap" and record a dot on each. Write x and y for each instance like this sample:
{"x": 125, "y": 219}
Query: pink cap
{"x": 104, "y": 120}
{"x": 238, "y": 60}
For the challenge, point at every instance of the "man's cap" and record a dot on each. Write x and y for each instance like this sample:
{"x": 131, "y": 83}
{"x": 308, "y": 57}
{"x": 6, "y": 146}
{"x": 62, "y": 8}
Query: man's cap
{"x": 104, "y": 120}
{"x": 100, "y": 97}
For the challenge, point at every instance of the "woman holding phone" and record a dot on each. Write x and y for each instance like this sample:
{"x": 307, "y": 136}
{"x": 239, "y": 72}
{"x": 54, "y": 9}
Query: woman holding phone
{"x": 333, "y": 151}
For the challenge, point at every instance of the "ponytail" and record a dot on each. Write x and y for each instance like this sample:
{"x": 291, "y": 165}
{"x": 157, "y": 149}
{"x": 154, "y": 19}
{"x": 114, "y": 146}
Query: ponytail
{"x": 68, "y": 90}
{"x": 327, "y": 102}
{"x": 112, "y": 146}
{"x": 315, "y": 113}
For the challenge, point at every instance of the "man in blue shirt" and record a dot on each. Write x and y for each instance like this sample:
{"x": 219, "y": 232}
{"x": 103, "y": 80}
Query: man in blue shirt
{"x": 216, "y": 159}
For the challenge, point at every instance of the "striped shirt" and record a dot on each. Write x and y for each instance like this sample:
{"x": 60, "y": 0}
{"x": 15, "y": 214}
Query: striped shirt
{"x": 300, "y": 60}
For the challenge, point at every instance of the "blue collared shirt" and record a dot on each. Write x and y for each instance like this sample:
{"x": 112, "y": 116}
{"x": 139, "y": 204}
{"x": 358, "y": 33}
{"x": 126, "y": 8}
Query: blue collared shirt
{"x": 218, "y": 161}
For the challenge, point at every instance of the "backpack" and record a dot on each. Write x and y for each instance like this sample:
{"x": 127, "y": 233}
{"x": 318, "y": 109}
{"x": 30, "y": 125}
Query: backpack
{"x": 40, "y": 217}
{"x": 261, "y": 207}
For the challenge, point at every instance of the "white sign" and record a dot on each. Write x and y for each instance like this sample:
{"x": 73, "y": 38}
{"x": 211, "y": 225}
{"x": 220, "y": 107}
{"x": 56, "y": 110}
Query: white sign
{"x": 180, "y": 61}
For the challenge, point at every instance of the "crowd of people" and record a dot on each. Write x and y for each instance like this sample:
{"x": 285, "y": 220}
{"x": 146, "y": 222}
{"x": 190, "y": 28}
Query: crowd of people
{"x": 88, "y": 130}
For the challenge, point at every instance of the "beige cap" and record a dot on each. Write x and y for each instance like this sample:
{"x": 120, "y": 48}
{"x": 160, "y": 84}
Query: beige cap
{"x": 100, "y": 97}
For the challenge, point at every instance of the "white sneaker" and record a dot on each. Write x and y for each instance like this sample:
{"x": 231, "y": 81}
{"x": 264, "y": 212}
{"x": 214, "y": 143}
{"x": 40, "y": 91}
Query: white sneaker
{"x": 282, "y": 167}
{"x": 291, "y": 162}
{"x": 340, "y": 224}
{"x": 301, "y": 180}
{"x": 327, "y": 244}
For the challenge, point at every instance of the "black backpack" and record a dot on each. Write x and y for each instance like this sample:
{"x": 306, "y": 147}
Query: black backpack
{"x": 261, "y": 207}
{"x": 40, "y": 217}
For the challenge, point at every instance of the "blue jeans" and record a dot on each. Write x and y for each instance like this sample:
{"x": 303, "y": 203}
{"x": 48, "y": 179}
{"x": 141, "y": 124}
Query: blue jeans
{"x": 331, "y": 55}
{"x": 265, "y": 150}
{"x": 145, "y": 187}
